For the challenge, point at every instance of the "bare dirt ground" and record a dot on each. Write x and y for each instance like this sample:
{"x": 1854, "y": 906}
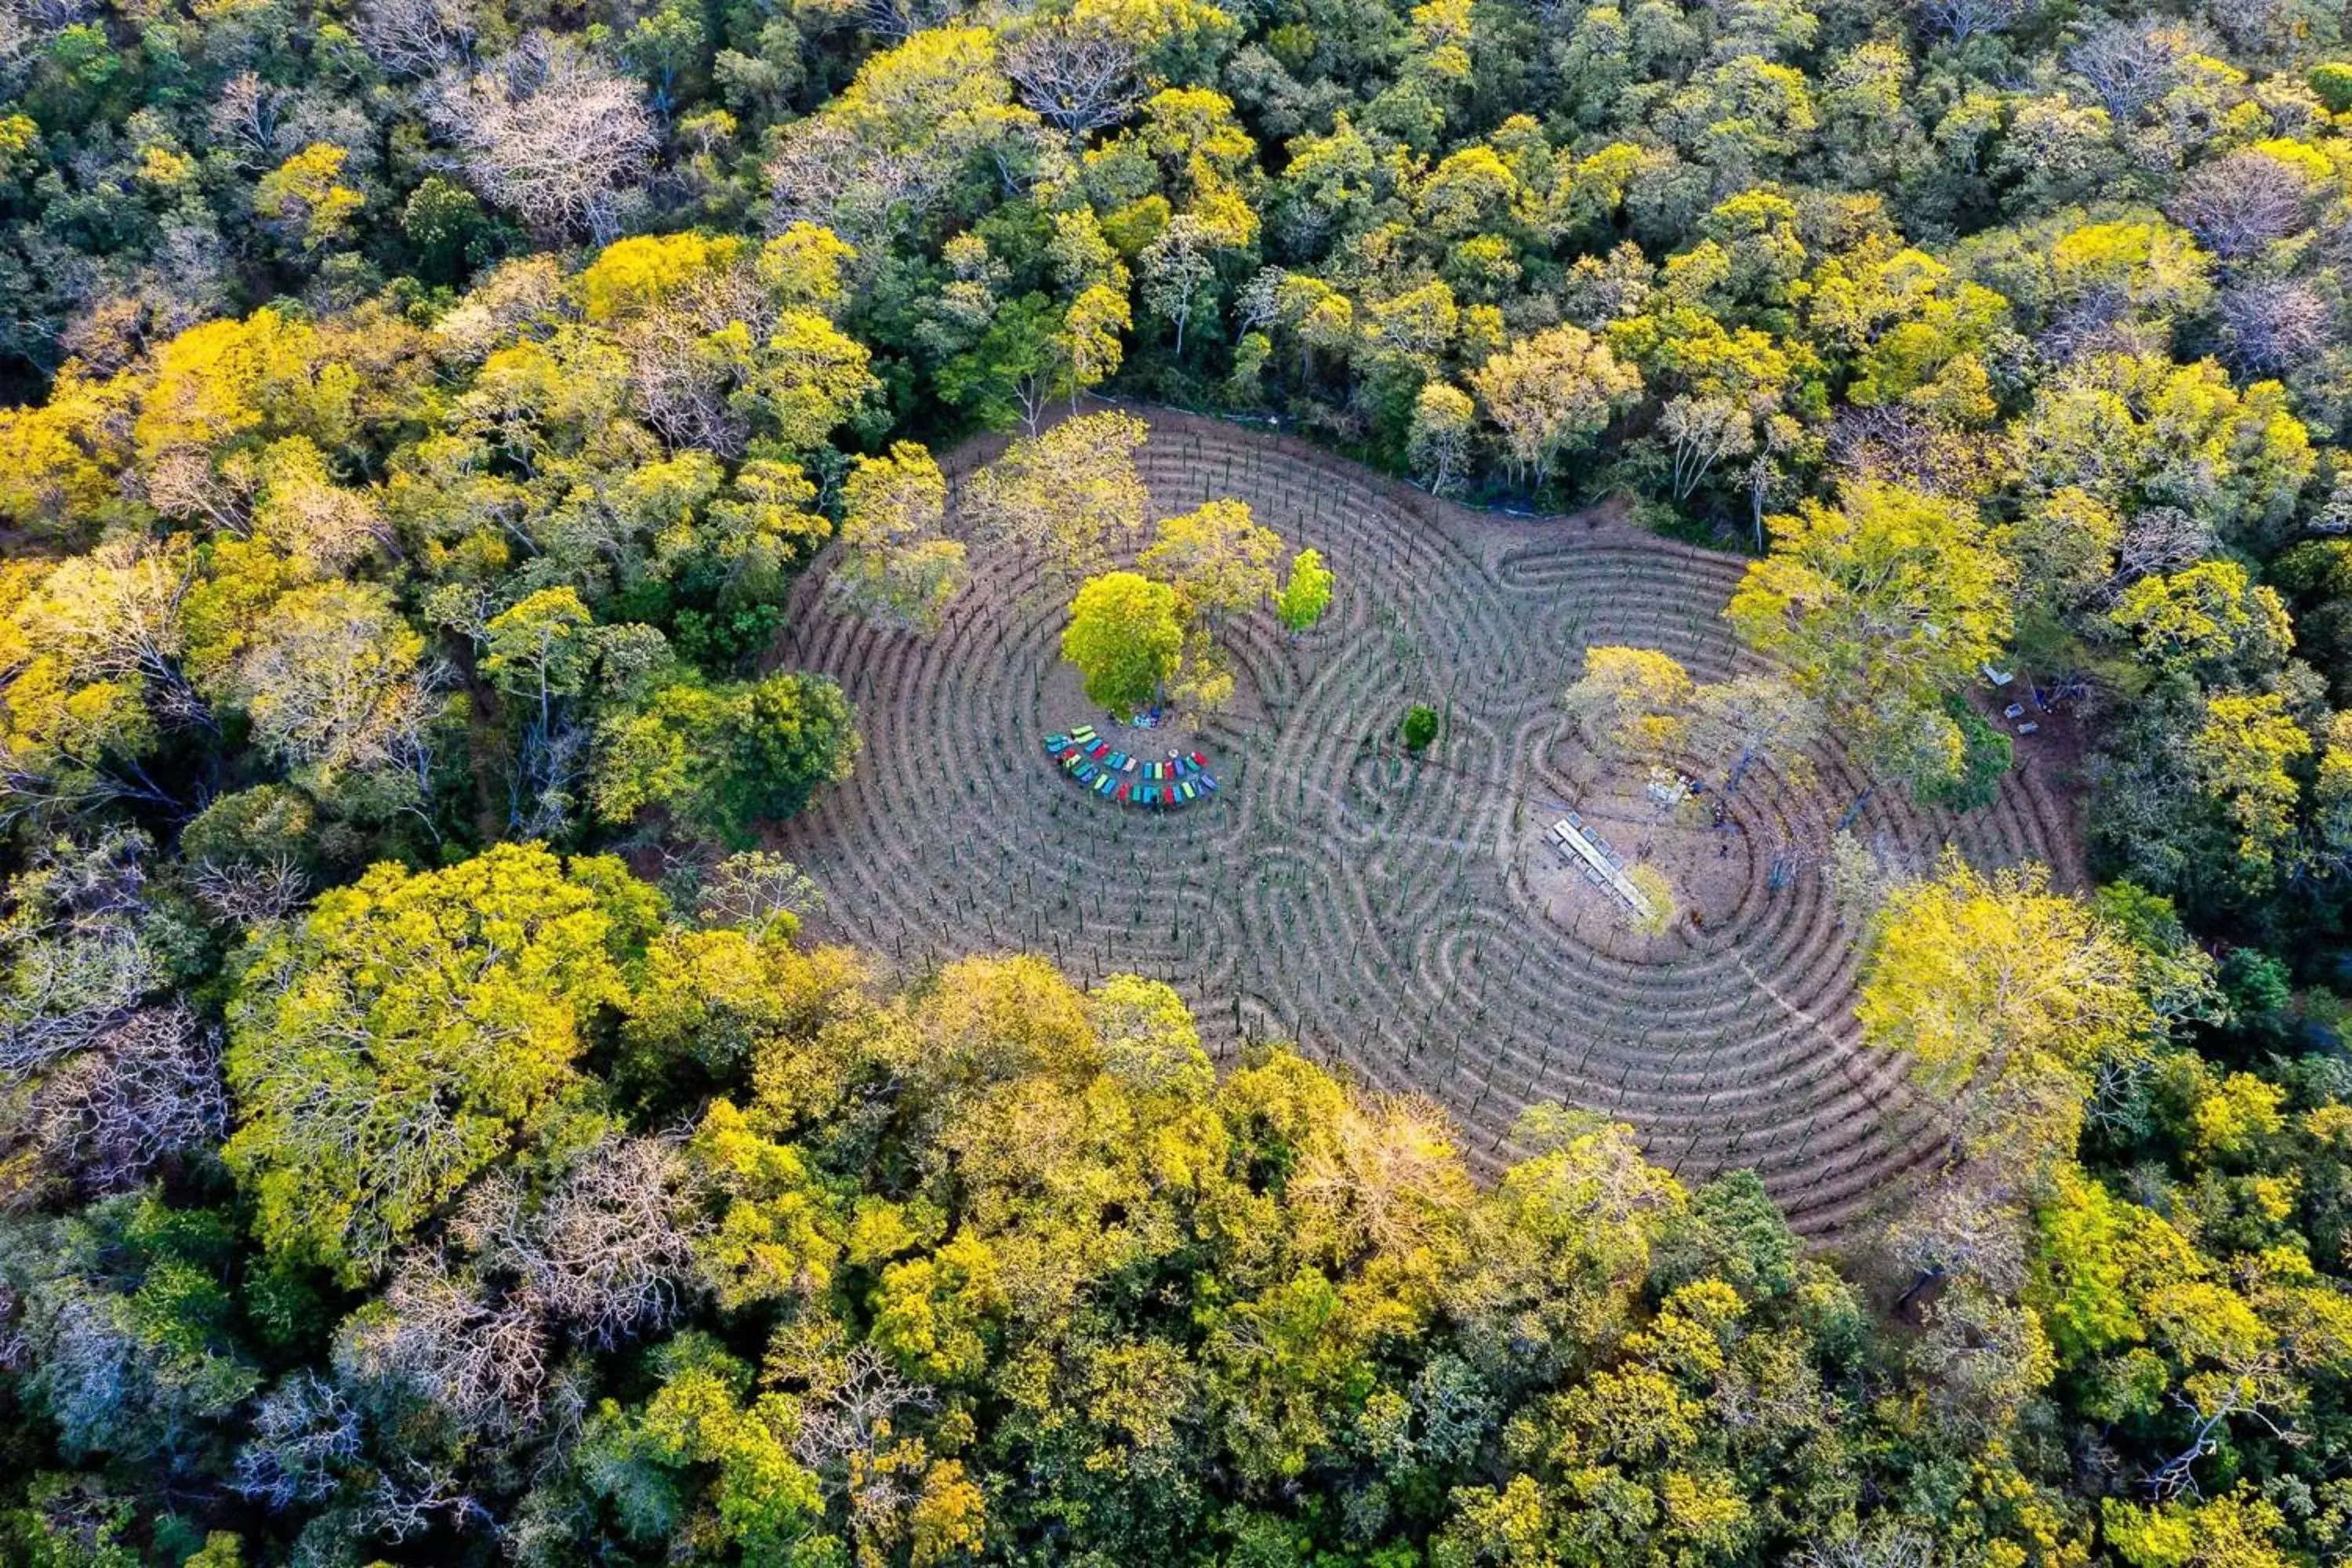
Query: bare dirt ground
{"x": 1403, "y": 920}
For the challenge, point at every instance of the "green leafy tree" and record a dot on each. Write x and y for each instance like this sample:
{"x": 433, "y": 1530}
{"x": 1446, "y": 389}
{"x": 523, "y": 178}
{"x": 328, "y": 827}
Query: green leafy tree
{"x": 540, "y": 649}
{"x": 663, "y": 47}
{"x": 2005, "y": 997}
{"x": 898, "y": 569}
{"x": 126, "y": 1307}
{"x": 410, "y": 1032}
{"x": 444, "y": 221}
{"x": 303, "y": 196}
{"x": 719, "y": 759}
{"x": 2242, "y": 755}
{"x": 1881, "y": 606}
{"x": 1069, "y": 497}
{"x": 1125, "y": 638}
{"x": 1986, "y": 755}
{"x": 1218, "y": 558}
{"x": 1551, "y": 395}
{"x": 1306, "y": 594}
{"x": 1438, "y": 442}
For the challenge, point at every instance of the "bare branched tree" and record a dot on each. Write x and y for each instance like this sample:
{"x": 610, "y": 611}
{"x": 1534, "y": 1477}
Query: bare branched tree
{"x": 27, "y": 25}
{"x": 685, "y": 388}
{"x": 419, "y": 37}
{"x": 826, "y": 173}
{"x": 2116, "y": 1087}
{"x": 2248, "y": 1396}
{"x": 751, "y": 889}
{"x": 521, "y": 298}
{"x": 1977, "y": 1350}
{"x": 852, "y": 1405}
{"x": 2273, "y": 33}
{"x": 1701, "y": 432}
{"x": 1257, "y": 304}
{"x": 184, "y": 482}
{"x": 15, "y": 1344}
{"x": 244, "y": 119}
{"x": 107, "y": 1380}
{"x": 685, "y": 392}
{"x": 2159, "y": 540}
{"x": 304, "y": 1433}
{"x": 479, "y": 1354}
{"x": 333, "y": 680}
{"x": 1960, "y": 20}
{"x": 76, "y": 960}
{"x": 16, "y": 39}
{"x": 326, "y": 527}
{"x": 1080, "y": 75}
{"x": 182, "y": 281}
{"x": 70, "y": 989}
{"x": 2102, "y": 321}
{"x": 611, "y": 1251}
{"x": 545, "y": 787}
{"x": 412, "y": 1497}
{"x": 1897, "y": 444}
{"x": 2238, "y": 204}
{"x": 1968, "y": 1225}
{"x": 1387, "y": 1183}
{"x": 2271, "y": 325}
{"x": 899, "y": 20}
{"x": 548, "y": 133}
{"x": 102, "y": 881}
{"x": 249, "y": 893}
{"x": 1894, "y": 1547}
{"x": 116, "y": 613}
{"x": 144, "y": 1094}
{"x": 2130, "y": 65}
{"x": 875, "y": 168}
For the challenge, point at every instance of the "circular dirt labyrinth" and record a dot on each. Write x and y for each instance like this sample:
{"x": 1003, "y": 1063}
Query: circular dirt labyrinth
{"x": 1402, "y": 921}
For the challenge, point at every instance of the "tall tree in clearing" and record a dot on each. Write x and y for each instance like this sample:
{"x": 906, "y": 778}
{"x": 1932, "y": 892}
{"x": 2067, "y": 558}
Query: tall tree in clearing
{"x": 1125, "y": 638}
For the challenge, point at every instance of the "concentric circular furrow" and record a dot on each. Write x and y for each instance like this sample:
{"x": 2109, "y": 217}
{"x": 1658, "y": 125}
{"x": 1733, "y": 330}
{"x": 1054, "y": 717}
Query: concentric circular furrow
{"x": 1383, "y": 911}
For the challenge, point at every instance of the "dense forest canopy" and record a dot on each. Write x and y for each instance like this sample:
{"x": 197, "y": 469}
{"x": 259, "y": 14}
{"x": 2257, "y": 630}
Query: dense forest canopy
{"x": 430, "y": 1130}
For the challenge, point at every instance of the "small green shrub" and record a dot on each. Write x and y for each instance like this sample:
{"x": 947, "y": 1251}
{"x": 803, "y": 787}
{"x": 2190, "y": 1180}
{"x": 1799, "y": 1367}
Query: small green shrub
{"x": 1420, "y": 727}
{"x": 2333, "y": 83}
